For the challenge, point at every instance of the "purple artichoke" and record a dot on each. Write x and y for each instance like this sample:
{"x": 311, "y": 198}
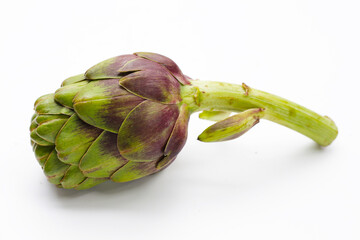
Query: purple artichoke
{"x": 127, "y": 117}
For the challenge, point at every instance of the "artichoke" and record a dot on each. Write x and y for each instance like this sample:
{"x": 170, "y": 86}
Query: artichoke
{"x": 127, "y": 117}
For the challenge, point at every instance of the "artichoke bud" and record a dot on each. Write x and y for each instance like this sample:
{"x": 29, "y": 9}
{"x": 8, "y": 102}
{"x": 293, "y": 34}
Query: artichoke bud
{"x": 214, "y": 115}
{"x": 121, "y": 120}
{"x": 231, "y": 127}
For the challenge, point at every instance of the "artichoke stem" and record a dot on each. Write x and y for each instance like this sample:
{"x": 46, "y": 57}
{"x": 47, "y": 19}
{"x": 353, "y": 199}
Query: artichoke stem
{"x": 208, "y": 95}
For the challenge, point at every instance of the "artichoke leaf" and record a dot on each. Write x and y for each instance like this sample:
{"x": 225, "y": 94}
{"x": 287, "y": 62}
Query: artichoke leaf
{"x": 33, "y": 144}
{"x": 108, "y": 68}
{"x": 73, "y": 79}
{"x": 105, "y": 104}
{"x": 166, "y": 161}
{"x": 33, "y": 125}
{"x": 47, "y": 105}
{"x": 74, "y": 139}
{"x": 39, "y": 140}
{"x": 72, "y": 178}
{"x": 54, "y": 169}
{"x": 179, "y": 133}
{"x": 166, "y": 62}
{"x": 136, "y": 139}
{"x": 40, "y": 119}
{"x": 34, "y": 116}
{"x": 48, "y": 130}
{"x": 139, "y": 64}
{"x": 89, "y": 183}
{"x": 100, "y": 89}
{"x": 102, "y": 158}
{"x": 153, "y": 84}
{"x": 42, "y": 153}
{"x": 134, "y": 170}
{"x": 66, "y": 94}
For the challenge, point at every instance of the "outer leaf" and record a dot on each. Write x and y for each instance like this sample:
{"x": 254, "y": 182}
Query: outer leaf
{"x": 33, "y": 144}
{"x": 153, "y": 84}
{"x": 105, "y": 104}
{"x": 108, "y": 68}
{"x": 38, "y": 140}
{"x": 42, "y": 153}
{"x": 66, "y": 94}
{"x": 100, "y": 89}
{"x": 33, "y": 125}
{"x": 145, "y": 132}
{"x": 42, "y": 98}
{"x": 73, "y": 177}
{"x": 48, "y": 130}
{"x": 179, "y": 134}
{"x": 33, "y": 116}
{"x": 74, "y": 139}
{"x": 40, "y": 119}
{"x": 140, "y": 64}
{"x": 73, "y": 79}
{"x": 214, "y": 115}
{"x": 134, "y": 170}
{"x": 89, "y": 183}
{"x": 232, "y": 127}
{"x": 168, "y": 63}
{"x": 54, "y": 169}
{"x": 103, "y": 157}
{"x": 166, "y": 161}
{"x": 47, "y": 105}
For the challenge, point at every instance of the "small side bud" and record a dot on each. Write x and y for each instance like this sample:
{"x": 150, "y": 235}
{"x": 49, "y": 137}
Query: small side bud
{"x": 214, "y": 115}
{"x": 232, "y": 127}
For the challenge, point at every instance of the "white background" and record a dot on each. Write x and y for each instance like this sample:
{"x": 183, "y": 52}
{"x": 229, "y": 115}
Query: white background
{"x": 272, "y": 183}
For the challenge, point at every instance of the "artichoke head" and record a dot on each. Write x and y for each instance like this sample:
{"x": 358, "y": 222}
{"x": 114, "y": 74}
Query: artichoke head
{"x": 121, "y": 120}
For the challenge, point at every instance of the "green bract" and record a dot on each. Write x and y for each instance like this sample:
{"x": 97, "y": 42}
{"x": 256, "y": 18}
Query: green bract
{"x": 127, "y": 117}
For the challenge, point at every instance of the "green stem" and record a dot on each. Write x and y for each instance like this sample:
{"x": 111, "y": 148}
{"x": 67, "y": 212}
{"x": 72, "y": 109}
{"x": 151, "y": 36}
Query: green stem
{"x": 206, "y": 95}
